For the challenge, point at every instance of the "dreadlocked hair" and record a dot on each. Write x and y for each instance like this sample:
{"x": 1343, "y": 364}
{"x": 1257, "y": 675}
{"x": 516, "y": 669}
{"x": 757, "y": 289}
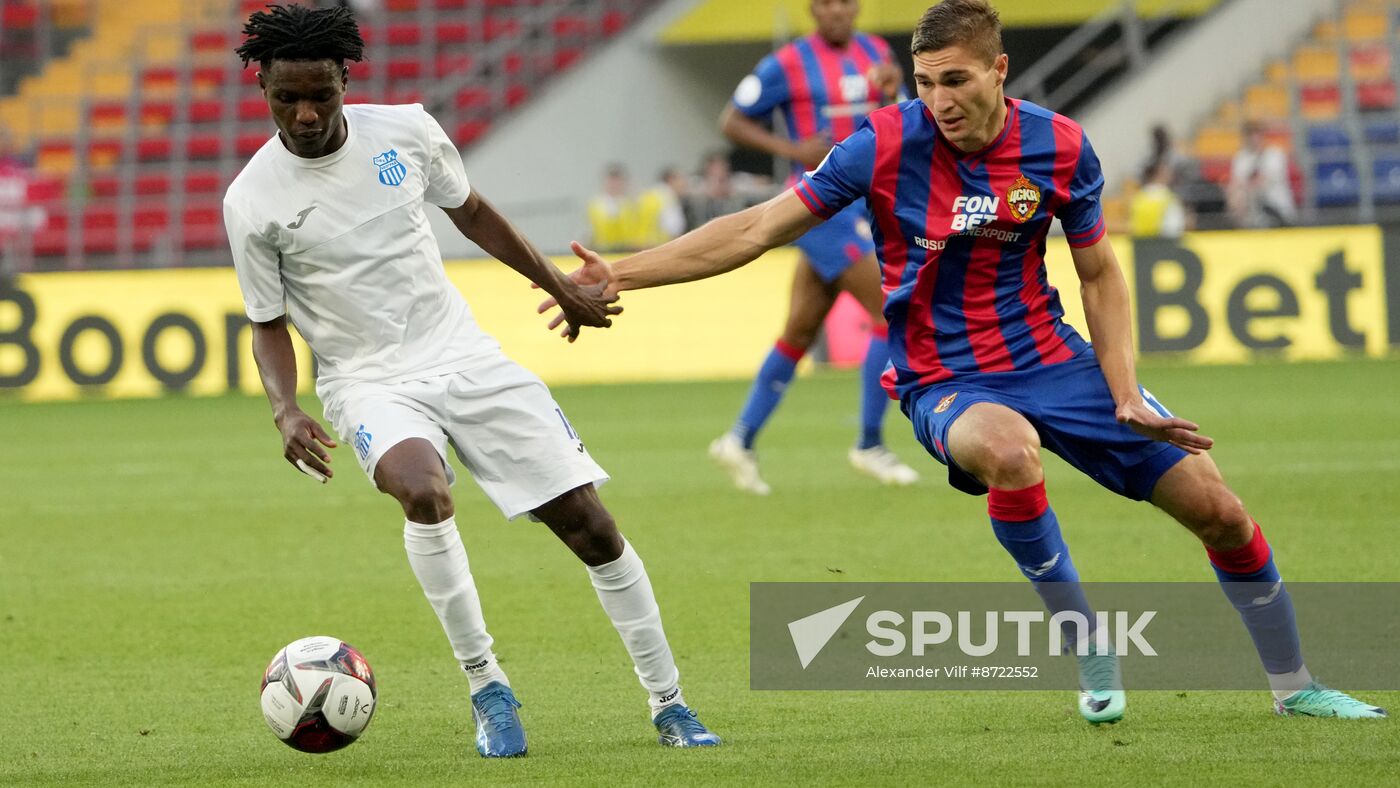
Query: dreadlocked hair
{"x": 295, "y": 32}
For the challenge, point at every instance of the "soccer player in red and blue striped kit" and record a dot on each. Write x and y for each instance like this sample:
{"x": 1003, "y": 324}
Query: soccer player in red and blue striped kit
{"x": 962, "y": 186}
{"x": 824, "y": 85}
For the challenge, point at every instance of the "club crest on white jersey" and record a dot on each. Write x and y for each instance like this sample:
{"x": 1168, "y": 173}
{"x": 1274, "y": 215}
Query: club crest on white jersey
{"x": 391, "y": 170}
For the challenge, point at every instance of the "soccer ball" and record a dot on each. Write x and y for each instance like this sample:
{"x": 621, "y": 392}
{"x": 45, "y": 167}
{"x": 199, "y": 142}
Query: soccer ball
{"x": 318, "y": 694}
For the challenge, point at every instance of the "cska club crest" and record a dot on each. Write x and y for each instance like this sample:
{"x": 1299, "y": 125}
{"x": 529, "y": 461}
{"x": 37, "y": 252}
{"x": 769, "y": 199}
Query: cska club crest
{"x": 391, "y": 170}
{"x": 946, "y": 402}
{"x": 1023, "y": 198}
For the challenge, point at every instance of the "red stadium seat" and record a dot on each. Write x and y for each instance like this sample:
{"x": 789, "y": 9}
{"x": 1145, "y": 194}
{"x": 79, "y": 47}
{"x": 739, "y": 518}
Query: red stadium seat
{"x": 206, "y": 111}
{"x": 214, "y": 42}
{"x": 450, "y": 64}
{"x": 160, "y": 78}
{"x": 40, "y": 191}
{"x": 157, "y": 113}
{"x": 614, "y": 22}
{"x": 15, "y": 16}
{"x": 1375, "y": 96}
{"x": 250, "y": 142}
{"x": 404, "y": 35}
{"x": 204, "y": 146}
{"x": 107, "y": 149}
{"x": 449, "y": 4}
{"x": 471, "y": 98}
{"x": 204, "y": 182}
{"x": 153, "y": 149}
{"x": 151, "y": 184}
{"x": 361, "y": 72}
{"x": 470, "y": 131}
{"x": 107, "y": 113}
{"x": 1216, "y": 170}
{"x": 453, "y": 33}
{"x": 566, "y": 25}
{"x": 516, "y": 95}
{"x": 210, "y": 76}
{"x": 405, "y": 68}
{"x": 410, "y": 95}
{"x": 99, "y": 219}
{"x": 513, "y": 62}
{"x": 254, "y": 108}
{"x": 563, "y": 58}
{"x": 401, "y": 5}
{"x": 501, "y": 26}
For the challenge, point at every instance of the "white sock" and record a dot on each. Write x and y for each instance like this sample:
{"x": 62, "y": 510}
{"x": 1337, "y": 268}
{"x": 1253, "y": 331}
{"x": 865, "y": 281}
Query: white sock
{"x": 625, "y": 593}
{"x": 1285, "y": 684}
{"x": 439, "y": 562}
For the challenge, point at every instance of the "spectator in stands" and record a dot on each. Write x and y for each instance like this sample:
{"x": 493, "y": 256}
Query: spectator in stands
{"x": 612, "y": 215}
{"x": 1260, "y": 193}
{"x": 718, "y": 195}
{"x": 661, "y": 212}
{"x": 1197, "y": 194}
{"x": 1156, "y": 211}
{"x": 17, "y": 216}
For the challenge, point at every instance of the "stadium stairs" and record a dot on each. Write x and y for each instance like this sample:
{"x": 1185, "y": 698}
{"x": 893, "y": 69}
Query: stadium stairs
{"x": 138, "y": 130}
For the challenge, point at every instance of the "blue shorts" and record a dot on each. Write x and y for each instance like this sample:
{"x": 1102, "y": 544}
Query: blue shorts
{"x": 1069, "y": 405}
{"x": 839, "y": 242}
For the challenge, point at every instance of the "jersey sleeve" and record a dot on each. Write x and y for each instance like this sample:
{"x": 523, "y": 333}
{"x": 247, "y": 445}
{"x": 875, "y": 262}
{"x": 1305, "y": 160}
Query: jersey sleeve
{"x": 258, "y": 265}
{"x": 764, "y": 90}
{"x": 447, "y": 178}
{"x": 843, "y": 176}
{"x": 1082, "y": 216}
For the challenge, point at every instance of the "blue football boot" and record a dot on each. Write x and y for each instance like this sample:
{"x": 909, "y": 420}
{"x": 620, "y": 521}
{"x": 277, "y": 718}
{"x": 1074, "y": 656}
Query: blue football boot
{"x": 680, "y": 728}
{"x": 499, "y": 733}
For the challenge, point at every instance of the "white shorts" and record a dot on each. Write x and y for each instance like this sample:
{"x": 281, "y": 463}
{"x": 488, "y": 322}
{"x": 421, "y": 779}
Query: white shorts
{"x": 499, "y": 417}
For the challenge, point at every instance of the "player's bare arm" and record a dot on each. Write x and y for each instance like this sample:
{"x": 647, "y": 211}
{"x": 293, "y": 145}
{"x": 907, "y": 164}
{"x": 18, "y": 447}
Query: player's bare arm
{"x": 303, "y": 438}
{"x": 1109, "y": 316}
{"x": 483, "y": 225}
{"x": 749, "y": 133}
{"x": 719, "y": 246}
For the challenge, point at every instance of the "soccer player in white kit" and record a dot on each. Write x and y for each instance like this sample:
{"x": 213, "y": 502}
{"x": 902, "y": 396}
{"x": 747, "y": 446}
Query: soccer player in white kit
{"x": 328, "y": 228}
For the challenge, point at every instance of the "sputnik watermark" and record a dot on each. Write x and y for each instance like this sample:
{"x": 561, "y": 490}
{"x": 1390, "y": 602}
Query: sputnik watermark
{"x": 931, "y": 628}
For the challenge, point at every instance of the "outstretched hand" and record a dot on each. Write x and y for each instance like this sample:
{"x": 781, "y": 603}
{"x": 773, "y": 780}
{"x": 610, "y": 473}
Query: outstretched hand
{"x": 1180, "y": 433}
{"x": 590, "y": 300}
{"x": 304, "y": 444}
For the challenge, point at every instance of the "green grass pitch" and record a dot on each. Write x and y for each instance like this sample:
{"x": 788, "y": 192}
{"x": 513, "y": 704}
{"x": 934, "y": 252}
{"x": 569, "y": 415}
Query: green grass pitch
{"x": 155, "y": 554}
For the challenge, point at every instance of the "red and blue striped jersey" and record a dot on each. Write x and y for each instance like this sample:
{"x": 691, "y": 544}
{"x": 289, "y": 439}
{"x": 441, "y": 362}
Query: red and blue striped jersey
{"x": 961, "y": 236}
{"x": 818, "y": 87}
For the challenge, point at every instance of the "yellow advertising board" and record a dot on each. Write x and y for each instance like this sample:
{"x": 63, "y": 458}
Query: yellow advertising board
{"x": 1297, "y": 294}
{"x": 728, "y": 21}
{"x": 138, "y": 333}
{"x": 1300, "y": 294}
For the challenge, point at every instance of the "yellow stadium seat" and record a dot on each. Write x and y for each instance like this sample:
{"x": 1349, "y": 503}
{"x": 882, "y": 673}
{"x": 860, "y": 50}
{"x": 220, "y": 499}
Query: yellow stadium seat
{"x": 1325, "y": 31}
{"x": 1315, "y": 63}
{"x": 1277, "y": 71}
{"x": 1216, "y": 142}
{"x": 1266, "y": 102}
{"x": 1365, "y": 25}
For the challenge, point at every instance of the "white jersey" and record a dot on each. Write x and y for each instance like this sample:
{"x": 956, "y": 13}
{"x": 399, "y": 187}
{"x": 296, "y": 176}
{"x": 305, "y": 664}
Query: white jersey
{"x": 341, "y": 245}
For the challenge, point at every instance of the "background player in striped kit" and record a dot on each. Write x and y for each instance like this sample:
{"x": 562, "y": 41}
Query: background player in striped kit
{"x": 963, "y": 185}
{"x": 824, "y": 85}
